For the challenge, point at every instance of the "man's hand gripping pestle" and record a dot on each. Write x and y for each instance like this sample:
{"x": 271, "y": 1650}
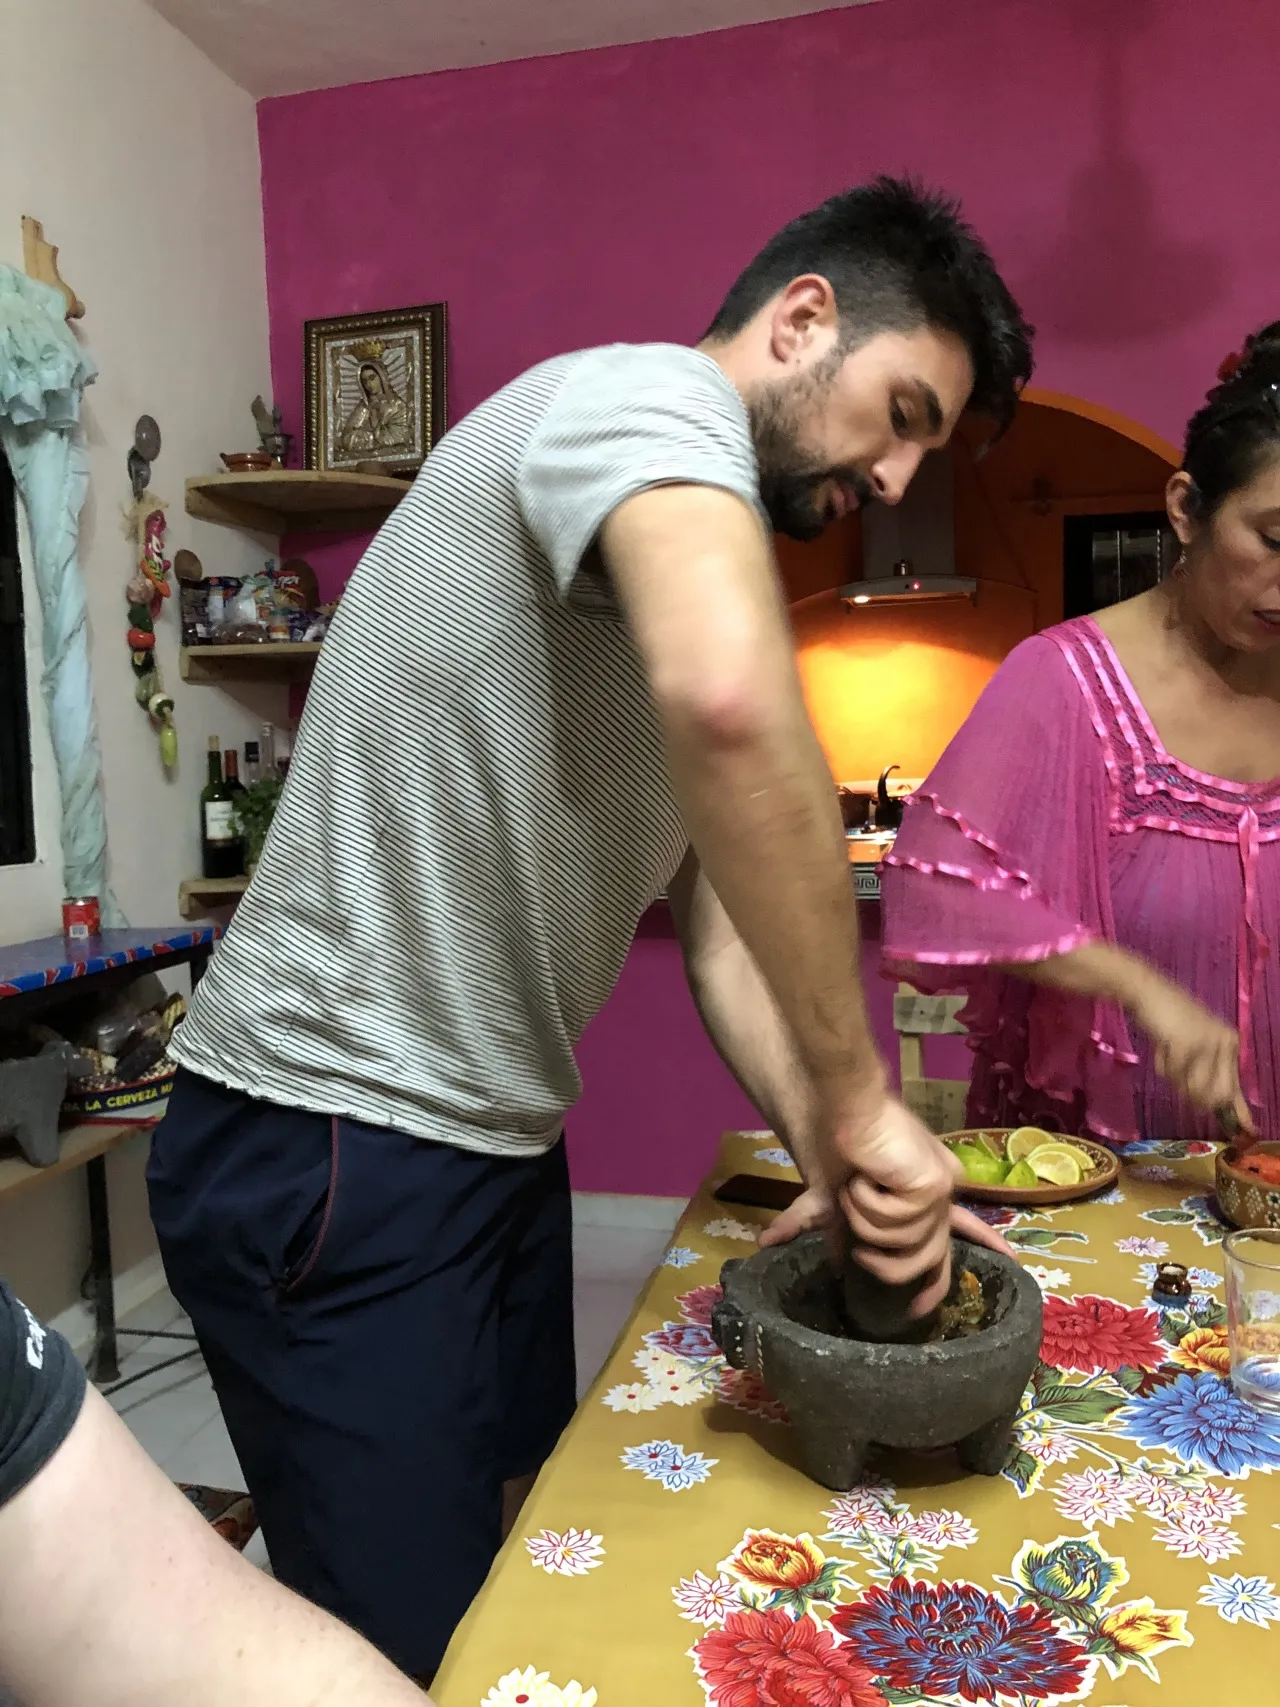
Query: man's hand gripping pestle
{"x": 877, "y": 1310}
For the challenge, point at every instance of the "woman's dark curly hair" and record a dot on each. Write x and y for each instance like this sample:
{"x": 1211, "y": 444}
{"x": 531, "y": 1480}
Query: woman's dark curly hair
{"x": 1236, "y": 431}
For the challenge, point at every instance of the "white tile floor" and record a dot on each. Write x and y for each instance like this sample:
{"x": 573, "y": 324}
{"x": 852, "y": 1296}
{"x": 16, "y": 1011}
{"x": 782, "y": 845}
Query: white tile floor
{"x": 174, "y": 1413}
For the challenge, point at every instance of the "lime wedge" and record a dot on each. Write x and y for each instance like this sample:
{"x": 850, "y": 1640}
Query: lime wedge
{"x": 1024, "y": 1141}
{"x": 984, "y": 1141}
{"x": 1021, "y": 1177}
{"x": 980, "y": 1168}
{"x": 1086, "y": 1161}
{"x": 1057, "y": 1164}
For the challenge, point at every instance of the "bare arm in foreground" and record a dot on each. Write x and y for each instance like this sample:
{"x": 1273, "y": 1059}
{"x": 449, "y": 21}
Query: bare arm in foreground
{"x": 118, "y": 1594}
{"x": 694, "y": 570}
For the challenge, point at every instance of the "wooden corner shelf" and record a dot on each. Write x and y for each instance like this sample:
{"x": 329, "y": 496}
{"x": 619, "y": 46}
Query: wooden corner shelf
{"x": 272, "y": 660}
{"x": 80, "y": 1144}
{"x": 197, "y": 896}
{"x": 295, "y": 500}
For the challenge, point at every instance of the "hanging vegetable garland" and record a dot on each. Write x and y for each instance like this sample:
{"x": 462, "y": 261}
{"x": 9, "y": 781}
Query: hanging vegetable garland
{"x": 149, "y": 588}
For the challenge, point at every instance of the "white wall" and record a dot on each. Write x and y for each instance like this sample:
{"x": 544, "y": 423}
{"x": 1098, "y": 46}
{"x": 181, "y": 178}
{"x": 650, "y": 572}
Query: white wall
{"x": 141, "y": 159}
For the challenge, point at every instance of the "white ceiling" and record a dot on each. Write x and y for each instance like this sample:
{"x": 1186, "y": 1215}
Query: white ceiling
{"x": 279, "y": 47}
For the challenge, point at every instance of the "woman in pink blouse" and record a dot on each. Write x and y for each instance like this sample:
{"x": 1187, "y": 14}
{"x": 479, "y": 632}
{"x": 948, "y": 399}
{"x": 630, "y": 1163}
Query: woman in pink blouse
{"x": 1095, "y": 860}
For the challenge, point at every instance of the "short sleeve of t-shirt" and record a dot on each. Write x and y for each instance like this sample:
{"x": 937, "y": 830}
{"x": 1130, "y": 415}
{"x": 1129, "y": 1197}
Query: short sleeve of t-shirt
{"x": 628, "y": 417}
{"x": 42, "y": 1388}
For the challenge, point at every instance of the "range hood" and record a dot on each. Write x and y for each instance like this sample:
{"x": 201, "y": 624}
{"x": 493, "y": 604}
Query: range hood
{"x": 908, "y": 549}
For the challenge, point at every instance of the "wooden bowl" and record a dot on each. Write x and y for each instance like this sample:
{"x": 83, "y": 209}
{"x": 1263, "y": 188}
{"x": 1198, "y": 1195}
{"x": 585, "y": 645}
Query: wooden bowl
{"x": 246, "y": 461}
{"x": 1245, "y": 1200}
{"x": 1037, "y": 1196}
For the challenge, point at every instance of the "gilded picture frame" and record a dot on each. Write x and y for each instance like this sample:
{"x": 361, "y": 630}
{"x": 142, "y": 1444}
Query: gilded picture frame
{"x": 375, "y": 389}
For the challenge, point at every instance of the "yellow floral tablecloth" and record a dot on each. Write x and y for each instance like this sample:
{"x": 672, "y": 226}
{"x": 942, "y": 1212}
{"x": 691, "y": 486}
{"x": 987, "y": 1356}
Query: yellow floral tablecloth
{"x": 672, "y": 1554}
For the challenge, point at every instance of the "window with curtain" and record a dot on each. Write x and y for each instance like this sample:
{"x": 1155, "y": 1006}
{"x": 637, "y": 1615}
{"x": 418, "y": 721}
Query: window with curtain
{"x": 17, "y": 829}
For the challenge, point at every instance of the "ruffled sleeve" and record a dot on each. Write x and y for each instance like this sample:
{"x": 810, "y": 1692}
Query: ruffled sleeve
{"x": 1001, "y": 858}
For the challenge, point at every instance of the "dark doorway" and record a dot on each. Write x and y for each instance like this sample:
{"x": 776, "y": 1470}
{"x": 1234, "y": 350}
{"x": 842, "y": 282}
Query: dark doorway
{"x": 1106, "y": 559}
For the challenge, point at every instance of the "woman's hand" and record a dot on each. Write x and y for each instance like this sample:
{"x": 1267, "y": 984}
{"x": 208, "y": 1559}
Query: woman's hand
{"x": 1197, "y": 1052}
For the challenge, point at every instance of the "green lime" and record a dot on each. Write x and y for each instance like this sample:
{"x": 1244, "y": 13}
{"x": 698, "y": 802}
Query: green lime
{"x": 980, "y": 1167}
{"x": 1021, "y": 1177}
{"x": 984, "y": 1141}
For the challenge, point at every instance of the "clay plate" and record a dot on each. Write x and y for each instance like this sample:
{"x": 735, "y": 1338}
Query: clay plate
{"x": 1038, "y": 1195}
{"x": 1244, "y": 1199}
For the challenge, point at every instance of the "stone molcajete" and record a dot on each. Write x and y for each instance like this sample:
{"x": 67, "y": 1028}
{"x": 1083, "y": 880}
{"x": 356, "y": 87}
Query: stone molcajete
{"x": 782, "y": 1317}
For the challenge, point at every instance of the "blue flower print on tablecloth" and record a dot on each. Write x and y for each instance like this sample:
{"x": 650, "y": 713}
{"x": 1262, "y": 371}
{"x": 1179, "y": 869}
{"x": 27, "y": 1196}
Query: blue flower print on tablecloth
{"x": 903, "y": 1634}
{"x": 664, "y": 1462}
{"x": 1202, "y": 1421}
{"x": 1251, "y": 1600}
{"x": 680, "y": 1256}
{"x": 776, "y": 1157}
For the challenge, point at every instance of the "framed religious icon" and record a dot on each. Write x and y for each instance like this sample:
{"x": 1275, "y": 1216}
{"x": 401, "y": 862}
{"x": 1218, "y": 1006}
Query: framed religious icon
{"x": 375, "y": 390}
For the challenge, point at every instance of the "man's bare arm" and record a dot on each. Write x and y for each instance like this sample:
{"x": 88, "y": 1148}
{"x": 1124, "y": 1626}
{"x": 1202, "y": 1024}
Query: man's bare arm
{"x": 739, "y": 1012}
{"x": 743, "y": 1022}
{"x": 694, "y": 570}
{"x": 118, "y": 1594}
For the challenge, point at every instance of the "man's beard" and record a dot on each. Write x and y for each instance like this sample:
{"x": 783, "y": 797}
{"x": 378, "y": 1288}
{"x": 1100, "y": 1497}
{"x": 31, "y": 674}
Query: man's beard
{"x": 789, "y": 477}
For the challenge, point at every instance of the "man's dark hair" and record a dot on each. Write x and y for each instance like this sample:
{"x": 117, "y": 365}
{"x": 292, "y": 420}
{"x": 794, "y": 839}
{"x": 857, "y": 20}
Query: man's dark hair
{"x": 899, "y": 258}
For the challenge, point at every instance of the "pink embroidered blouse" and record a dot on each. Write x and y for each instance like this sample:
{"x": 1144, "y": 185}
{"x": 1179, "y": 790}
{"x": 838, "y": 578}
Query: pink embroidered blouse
{"x": 1057, "y": 818}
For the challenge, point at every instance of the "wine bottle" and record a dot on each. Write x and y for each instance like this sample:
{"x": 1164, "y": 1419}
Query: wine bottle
{"x": 221, "y": 853}
{"x": 235, "y": 788}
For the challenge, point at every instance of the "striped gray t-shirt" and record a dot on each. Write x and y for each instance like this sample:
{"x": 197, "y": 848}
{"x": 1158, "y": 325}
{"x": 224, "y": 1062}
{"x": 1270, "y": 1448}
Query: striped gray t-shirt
{"x": 477, "y": 810}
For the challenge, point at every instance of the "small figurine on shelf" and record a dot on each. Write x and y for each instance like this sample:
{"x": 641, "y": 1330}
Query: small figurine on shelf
{"x": 148, "y": 588}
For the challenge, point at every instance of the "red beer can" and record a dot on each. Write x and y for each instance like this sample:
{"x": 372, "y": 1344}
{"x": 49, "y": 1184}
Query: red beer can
{"x": 81, "y": 918}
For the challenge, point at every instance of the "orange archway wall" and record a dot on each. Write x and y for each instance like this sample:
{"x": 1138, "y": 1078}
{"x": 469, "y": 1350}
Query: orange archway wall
{"x": 892, "y": 686}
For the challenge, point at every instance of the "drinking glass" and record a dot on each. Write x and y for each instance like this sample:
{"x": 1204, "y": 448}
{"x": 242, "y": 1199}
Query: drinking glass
{"x": 1253, "y": 1314}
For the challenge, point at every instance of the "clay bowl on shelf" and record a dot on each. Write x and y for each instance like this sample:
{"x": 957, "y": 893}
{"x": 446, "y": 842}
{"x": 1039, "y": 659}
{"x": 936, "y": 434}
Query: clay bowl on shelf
{"x": 1105, "y": 1174}
{"x": 245, "y": 461}
{"x": 1245, "y": 1199}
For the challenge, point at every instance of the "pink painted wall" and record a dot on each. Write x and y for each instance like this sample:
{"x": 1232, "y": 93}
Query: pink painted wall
{"x": 655, "y": 1094}
{"x": 1119, "y": 158}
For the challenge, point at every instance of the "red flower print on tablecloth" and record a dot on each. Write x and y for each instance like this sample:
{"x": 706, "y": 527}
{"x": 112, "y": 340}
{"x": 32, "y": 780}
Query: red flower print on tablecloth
{"x": 769, "y": 1659}
{"x": 1194, "y": 1537}
{"x": 1090, "y": 1334}
{"x": 696, "y": 1306}
{"x": 684, "y": 1339}
{"x": 743, "y": 1390}
{"x": 1094, "y": 1497}
{"x": 571, "y": 1553}
{"x": 707, "y": 1600}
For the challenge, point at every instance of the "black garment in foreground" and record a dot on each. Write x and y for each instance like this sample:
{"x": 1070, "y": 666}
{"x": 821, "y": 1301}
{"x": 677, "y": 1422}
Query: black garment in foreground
{"x": 41, "y": 1391}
